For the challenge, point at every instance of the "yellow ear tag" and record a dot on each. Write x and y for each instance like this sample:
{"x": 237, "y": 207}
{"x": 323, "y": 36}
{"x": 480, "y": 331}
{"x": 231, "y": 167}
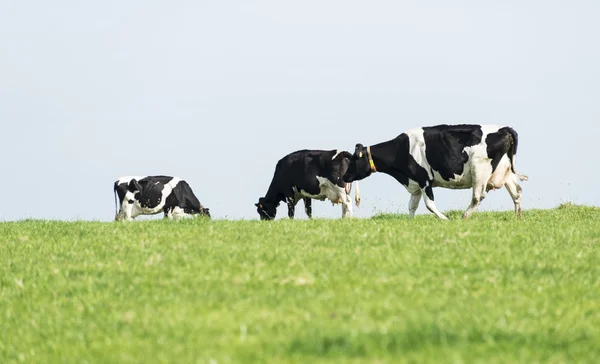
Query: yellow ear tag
{"x": 359, "y": 154}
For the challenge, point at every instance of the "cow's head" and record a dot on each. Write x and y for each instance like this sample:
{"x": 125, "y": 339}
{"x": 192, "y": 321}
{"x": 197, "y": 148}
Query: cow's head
{"x": 128, "y": 203}
{"x": 358, "y": 168}
{"x": 204, "y": 212}
{"x": 266, "y": 210}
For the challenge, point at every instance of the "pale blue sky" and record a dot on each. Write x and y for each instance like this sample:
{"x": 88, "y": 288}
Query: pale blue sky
{"x": 216, "y": 92}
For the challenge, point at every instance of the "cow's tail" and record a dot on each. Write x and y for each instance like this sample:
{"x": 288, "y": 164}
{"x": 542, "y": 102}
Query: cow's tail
{"x": 512, "y": 152}
{"x": 115, "y": 191}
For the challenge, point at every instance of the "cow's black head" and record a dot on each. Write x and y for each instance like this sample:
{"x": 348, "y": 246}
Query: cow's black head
{"x": 266, "y": 210}
{"x": 358, "y": 168}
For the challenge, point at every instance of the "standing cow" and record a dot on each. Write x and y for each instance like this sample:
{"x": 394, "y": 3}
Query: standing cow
{"x": 481, "y": 157}
{"x": 308, "y": 174}
{"x": 155, "y": 194}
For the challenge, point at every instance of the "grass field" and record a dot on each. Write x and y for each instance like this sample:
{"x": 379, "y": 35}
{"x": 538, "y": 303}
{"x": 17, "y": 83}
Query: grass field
{"x": 387, "y": 289}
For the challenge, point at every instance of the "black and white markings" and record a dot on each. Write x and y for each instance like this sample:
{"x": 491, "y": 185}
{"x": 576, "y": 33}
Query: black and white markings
{"x": 151, "y": 195}
{"x": 481, "y": 157}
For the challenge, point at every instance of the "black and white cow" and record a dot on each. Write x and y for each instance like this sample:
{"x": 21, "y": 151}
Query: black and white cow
{"x": 481, "y": 157}
{"x": 308, "y": 174}
{"x": 155, "y": 194}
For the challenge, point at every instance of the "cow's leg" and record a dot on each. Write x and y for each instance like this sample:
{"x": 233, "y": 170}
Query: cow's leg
{"x": 125, "y": 214}
{"x": 344, "y": 198}
{"x": 514, "y": 189}
{"x": 170, "y": 213}
{"x": 177, "y": 213}
{"x": 413, "y": 203}
{"x": 481, "y": 176}
{"x": 291, "y": 204}
{"x": 347, "y": 207}
{"x": 427, "y": 194}
{"x": 308, "y": 207}
{"x": 475, "y": 201}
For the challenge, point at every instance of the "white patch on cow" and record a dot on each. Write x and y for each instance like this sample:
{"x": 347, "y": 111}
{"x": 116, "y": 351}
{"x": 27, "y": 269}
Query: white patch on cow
{"x": 413, "y": 203}
{"x": 337, "y": 152}
{"x": 331, "y": 192}
{"x": 459, "y": 182}
{"x": 126, "y": 207}
{"x": 417, "y": 148}
{"x": 177, "y": 213}
{"x": 413, "y": 187}
{"x": 502, "y": 173}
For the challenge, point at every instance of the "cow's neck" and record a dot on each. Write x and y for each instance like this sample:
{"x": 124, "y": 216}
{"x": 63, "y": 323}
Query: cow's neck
{"x": 388, "y": 156}
{"x": 274, "y": 193}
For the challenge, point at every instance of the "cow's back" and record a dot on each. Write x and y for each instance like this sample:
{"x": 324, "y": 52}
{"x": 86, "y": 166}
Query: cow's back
{"x": 300, "y": 169}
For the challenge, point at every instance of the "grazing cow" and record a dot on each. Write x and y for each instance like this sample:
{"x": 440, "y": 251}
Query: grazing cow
{"x": 308, "y": 174}
{"x": 481, "y": 157}
{"x": 154, "y": 194}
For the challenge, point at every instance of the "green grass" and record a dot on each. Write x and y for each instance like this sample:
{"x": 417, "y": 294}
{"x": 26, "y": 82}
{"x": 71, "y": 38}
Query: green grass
{"x": 387, "y": 289}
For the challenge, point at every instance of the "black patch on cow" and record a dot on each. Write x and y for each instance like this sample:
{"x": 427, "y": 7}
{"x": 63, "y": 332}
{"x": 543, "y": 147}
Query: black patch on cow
{"x": 300, "y": 170}
{"x": 308, "y": 207}
{"x": 133, "y": 186}
{"x": 502, "y": 142}
{"x": 120, "y": 190}
{"x": 414, "y": 170}
{"x": 429, "y": 192}
{"x": 445, "y": 144}
{"x": 184, "y": 197}
{"x": 291, "y": 204}
{"x": 151, "y": 188}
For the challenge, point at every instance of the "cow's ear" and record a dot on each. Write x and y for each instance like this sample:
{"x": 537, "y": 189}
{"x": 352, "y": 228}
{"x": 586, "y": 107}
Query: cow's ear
{"x": 134, "y": 186}
{"x": 358, "y": 150}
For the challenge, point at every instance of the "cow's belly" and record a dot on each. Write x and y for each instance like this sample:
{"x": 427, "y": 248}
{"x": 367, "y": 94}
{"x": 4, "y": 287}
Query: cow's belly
{"x": 140, "y": 210}
{"x": 151, "y": 210}
{"x": 327, "y": 190}
{"x": 462, "y": 181}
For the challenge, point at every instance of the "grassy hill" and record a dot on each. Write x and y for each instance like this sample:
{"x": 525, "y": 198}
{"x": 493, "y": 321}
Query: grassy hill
{"x": 386, "y": 289}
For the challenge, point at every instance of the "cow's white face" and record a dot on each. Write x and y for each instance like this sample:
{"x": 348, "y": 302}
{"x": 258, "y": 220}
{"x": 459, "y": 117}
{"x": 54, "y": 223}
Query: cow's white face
{"x": 128, "y": 207}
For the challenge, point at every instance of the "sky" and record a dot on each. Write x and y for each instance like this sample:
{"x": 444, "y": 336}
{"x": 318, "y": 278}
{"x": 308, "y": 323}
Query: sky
{"x": 216, "y": 92}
